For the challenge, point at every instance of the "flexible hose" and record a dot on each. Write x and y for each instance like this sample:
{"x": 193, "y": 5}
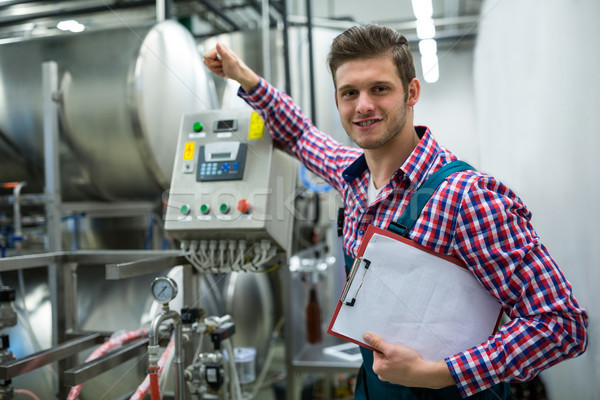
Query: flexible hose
{"x": 142, "y": 390}
{"x": 154, "y": 389}
{"x": 235, "y": 389}
{"x": 268, "y": 359}
{"x": 28, "y": 393}
{"x": 105, "y": 348}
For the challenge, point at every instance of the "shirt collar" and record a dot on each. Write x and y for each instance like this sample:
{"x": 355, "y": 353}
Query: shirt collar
{"x": 416, "y": 167}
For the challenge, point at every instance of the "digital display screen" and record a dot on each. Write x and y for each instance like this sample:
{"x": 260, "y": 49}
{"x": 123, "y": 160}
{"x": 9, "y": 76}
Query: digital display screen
{"x": 220, "y": 156}
{"x": 225, "y": 124}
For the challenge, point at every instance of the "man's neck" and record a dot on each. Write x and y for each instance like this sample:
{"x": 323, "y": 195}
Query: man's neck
{"x": 386, "y": 160}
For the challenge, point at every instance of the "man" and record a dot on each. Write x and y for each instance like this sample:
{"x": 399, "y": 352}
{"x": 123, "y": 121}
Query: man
{"x": 471, "y": 216}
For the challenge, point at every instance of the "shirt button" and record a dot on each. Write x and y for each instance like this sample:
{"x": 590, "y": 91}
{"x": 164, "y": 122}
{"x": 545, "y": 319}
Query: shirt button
{"x": 361, "y": 232}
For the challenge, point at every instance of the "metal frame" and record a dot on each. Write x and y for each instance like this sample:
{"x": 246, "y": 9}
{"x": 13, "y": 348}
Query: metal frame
{"x": 119, "y": 264}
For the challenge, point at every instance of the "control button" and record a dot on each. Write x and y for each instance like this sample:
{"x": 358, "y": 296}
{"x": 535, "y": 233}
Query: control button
{"x": 224, "y": 208}
{"x": 204, "y": 209}
{"x": 197, "y": 127}
{"x": 243, "y": 206}
{"x": 236, "y": 165}
{"x": 225, "y": 167}
{"x": 185, "y": 209}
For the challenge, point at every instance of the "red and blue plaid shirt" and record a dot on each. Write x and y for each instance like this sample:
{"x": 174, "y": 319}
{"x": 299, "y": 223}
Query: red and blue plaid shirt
{"x": 471, "y": 216}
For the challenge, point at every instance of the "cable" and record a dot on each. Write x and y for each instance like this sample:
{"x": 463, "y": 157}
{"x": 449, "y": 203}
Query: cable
{"x": 269, "y": 358}
{"x": 235, "y": 388}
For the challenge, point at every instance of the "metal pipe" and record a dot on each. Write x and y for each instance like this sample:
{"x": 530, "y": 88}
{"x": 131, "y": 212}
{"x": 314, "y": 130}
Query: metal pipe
{"x": 266, "y": 28}
{"x": 258, "y": 8}
{"x": 163, "y": 10}
{"x": 29, "y": 363}
{"x": 158, "y": 320}
{"x": 311, "y": 68}
{"x": 160, "y": 10}
{"x": 215, "y": 9}
{"x": 18, "y": 235}
{"x": 286, "y": 48}
{"x": 93, "y": 368}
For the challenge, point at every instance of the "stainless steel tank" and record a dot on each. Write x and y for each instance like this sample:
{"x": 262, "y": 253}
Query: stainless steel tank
{"x": 122, "y": 95}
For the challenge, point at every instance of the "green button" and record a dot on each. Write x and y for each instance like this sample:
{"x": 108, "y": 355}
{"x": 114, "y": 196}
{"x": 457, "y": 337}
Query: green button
{"x": 198, "y": 127}
{"x": 185, "y": 209}
{"x": 204, "y": 209}
{"x": 224, "y": 208}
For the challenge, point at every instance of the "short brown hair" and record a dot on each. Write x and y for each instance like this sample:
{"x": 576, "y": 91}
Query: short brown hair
{"x": 371, "y": 41}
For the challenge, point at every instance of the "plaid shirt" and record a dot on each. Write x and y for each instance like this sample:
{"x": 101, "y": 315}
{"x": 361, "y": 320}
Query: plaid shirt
{"x": 471, "y": 216}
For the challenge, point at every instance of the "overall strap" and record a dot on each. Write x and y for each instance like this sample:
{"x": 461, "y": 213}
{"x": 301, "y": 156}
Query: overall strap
{"x": 422, "y": 195}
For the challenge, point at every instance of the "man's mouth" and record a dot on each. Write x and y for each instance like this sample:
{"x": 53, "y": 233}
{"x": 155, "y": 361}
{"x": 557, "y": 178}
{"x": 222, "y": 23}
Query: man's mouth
{"x": 367, "y": 122}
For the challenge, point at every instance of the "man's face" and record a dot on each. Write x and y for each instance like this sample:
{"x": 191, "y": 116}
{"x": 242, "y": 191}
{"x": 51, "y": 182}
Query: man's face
{"x": 371, "y": 101}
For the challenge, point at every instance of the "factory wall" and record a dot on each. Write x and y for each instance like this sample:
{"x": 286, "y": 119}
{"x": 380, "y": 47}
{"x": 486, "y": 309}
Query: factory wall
{"x": 447, "y": 106}
{"x": 536, "y": 98}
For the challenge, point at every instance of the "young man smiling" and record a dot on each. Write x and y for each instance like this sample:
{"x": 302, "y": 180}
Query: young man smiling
{"x": 471, "y": 216}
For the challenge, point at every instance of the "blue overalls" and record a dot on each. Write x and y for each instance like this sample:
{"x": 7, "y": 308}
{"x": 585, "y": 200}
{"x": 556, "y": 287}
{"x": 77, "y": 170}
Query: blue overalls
{"x": 368, "y": 384}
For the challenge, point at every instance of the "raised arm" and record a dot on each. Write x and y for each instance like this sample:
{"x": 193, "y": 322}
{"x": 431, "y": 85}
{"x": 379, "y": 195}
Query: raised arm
{"x": 225, "y": 63}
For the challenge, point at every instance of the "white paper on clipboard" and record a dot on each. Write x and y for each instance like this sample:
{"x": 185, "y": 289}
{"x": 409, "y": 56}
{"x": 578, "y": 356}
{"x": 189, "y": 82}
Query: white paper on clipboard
{"x": 408, "y": 295}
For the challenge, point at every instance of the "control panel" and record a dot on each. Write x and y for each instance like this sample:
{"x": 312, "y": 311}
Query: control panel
{"x": 221, "y": 161}
{"x": 229, "y": 182}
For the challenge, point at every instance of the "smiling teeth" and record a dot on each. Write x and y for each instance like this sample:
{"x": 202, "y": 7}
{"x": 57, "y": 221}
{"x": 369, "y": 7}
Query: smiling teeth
{"x": 366, "y": 123}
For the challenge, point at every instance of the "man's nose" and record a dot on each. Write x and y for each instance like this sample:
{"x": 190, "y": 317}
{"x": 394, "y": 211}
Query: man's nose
{"x": 364, "y": 104}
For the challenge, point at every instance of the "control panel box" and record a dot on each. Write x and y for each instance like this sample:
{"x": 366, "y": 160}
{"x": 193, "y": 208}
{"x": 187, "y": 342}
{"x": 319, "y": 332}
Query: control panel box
{"x": 229, "y": 182}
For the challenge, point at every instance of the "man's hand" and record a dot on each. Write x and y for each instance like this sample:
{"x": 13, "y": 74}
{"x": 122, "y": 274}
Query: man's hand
{"x": 225, "y": 63}
{"x": 403, "y": 365}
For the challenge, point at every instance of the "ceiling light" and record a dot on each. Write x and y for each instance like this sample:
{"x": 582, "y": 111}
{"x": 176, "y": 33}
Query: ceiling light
{"x": 425, "y": 28}
{"x": 70, "y": 25}
{"x": 431, "y": 71}
{"x": 428, "y": 47}
{"x": 423, "y": 9}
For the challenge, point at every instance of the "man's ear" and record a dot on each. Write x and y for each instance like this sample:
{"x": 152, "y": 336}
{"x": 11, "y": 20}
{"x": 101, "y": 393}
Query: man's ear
{"x": 335, "y": 98}
{"x": 414, "y": 92}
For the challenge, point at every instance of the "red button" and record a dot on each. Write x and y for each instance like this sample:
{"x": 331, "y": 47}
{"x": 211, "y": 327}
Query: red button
{"x": 243, "y": 206}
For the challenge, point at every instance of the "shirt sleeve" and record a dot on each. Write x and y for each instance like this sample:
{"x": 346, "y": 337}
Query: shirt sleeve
{"x": 494, "y": 237}
{"x": 291, "y": 129}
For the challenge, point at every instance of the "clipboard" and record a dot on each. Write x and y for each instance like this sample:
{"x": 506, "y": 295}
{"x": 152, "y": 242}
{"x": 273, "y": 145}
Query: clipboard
{"x": 407, "y": 294}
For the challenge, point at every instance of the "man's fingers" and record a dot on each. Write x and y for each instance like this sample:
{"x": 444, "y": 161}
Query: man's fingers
{"x": 375, "y": 342}
{"x": 223, "y": 52}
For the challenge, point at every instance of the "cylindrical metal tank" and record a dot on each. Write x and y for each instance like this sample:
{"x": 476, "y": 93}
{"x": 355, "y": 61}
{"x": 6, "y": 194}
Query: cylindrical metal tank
{"x": 123, "y": 92}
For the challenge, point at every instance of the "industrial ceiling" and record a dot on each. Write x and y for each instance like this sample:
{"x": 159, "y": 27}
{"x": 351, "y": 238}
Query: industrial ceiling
{"x": 28, "y": 18}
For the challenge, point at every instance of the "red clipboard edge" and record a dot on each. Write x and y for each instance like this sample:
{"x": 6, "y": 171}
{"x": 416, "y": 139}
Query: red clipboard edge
{"x": 371, "y": 230}
{"x": 346, "y": 338}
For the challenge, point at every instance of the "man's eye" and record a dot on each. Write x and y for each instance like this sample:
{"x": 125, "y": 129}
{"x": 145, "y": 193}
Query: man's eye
{"x": 349, "y": 93}
{"x": 380, "y": 89}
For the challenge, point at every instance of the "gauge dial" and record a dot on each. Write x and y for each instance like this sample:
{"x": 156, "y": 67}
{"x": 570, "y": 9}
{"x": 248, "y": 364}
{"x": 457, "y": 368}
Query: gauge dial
{"x": 164, "y": 289}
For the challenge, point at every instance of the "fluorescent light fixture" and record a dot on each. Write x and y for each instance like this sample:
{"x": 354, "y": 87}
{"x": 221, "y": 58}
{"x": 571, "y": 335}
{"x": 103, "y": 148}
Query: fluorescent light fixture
{"x": 425, "y": 28}
{"x": 431, "y": 71}
{"x": 70, "y": 25}
{"x": 428, "y": 47}
{"x": 423, "y": 9}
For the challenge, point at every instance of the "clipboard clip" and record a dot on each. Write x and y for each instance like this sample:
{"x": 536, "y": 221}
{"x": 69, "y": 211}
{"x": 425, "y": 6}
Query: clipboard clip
{"x": 355, "y": 267}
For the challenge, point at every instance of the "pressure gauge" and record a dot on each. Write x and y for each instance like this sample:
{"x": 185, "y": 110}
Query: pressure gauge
{"x": 164, "y": 289}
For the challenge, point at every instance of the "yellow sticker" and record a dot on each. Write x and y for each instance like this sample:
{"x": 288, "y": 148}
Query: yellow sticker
{"x": 188, "y": 152}
{"x": 257, "y": 127}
